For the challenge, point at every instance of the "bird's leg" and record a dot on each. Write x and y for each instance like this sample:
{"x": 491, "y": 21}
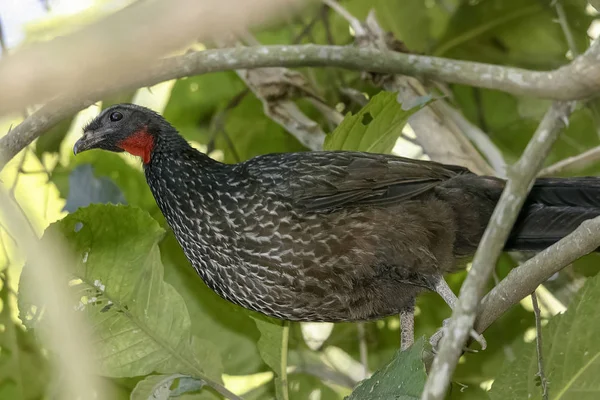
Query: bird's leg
{"x": 407, "y": 326}
{"x": 441, "y": 287}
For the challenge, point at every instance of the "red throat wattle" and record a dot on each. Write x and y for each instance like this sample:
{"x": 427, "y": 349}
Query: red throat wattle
{"x": 139, "y": 144}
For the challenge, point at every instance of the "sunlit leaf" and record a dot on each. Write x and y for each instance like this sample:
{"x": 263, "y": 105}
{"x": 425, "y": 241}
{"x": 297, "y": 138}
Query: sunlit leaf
{"x": 402, "y": 379}
{"x": 571, "y": 354}
{"x": 375, "y": 128}
{"x": 140, "y": 323}
{"x": 272, "y": 345}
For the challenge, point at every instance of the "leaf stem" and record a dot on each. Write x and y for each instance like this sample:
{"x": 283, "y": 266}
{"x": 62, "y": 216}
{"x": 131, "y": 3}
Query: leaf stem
{"x": 285, "y": 336}
{"x": 538, "y": 345}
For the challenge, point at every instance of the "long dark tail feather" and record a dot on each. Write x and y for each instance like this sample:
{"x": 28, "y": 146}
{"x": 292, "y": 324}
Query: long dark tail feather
{"x": 554, "y": 208}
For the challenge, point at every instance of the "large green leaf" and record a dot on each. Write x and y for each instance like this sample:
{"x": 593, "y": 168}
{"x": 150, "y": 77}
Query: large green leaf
{"x": 571, "y": 354}
{"x": 514, "y": 32}
{"x": 140, "y": 323}
{"x": 273, "y": 349}
{"x": 409, "y": 20}
{"x": 375, "y": 128}
{"x": 402, "y": 379}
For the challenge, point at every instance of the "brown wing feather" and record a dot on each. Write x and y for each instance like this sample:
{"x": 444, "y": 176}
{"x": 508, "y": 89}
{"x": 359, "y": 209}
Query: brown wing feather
{"x": 323, "y": 180}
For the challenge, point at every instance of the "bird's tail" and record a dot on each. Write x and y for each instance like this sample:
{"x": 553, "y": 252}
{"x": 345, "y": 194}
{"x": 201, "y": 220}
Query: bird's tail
{"x": 555, "y": 207}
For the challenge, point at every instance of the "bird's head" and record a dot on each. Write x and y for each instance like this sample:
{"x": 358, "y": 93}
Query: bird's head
{"x": 124, "y": 127}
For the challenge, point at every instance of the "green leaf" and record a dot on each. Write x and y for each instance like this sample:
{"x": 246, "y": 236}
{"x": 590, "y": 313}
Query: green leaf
{"x": 273, "y": 348}
{"x": 375, "y": 128}
{"x": 408, "y": 19}
{"x": 140, "y": 323}
{"x": 24, "y": 371}
{"x": 520, "y": 33}
{"x": 252, "y": 133}
{"x": 163, "y": 387}
{"x": 402, "y": 379}
{"x": 571, "y": 353}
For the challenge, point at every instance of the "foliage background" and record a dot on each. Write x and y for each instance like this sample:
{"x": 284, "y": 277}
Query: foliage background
{"x": 123, "y": 247}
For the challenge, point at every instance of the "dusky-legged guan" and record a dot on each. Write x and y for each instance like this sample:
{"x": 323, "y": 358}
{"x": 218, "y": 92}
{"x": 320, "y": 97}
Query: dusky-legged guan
{"x": 328, "y": 236}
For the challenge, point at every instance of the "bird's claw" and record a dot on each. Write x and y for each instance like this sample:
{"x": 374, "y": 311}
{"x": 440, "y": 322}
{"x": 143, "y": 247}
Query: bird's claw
{"x": 436, "y": 337}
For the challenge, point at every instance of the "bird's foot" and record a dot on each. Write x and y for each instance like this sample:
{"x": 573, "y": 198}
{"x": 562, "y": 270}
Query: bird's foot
{"x": 436, "y": 337}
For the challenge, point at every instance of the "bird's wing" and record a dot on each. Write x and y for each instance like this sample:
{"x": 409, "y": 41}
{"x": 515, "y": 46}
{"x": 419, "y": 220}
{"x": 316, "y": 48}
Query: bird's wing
{"x": 323, "y": 180}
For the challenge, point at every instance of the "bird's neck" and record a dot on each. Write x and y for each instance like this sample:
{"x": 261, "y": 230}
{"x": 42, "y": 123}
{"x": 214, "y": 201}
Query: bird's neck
{"x": 190, "y": 189}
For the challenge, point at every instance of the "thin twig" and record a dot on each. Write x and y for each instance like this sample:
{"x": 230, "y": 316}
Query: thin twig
{"x": 352, "y": 20}
{"x": 538, "y": 345}
{"x": 574, "y": 163}
{"x": 362, "y": 348}
{"x": 525, "y": 278}
{"x": 521, "y": 178}
{"x": 564, "y": 24}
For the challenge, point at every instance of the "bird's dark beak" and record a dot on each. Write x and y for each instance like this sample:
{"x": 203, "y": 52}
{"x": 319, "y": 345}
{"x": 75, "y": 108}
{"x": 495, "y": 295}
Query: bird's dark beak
{"x": 91, "y": 140}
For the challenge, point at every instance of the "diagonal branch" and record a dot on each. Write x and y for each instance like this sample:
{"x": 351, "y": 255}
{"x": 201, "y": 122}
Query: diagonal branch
{"x": 524, "y": 279}
{"x": 521, "y": 178}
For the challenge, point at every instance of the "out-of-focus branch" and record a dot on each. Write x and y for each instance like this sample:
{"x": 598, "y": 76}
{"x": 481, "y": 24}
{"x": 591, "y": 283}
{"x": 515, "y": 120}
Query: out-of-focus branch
{"x": 524, "y": 279}
{"x": 521, "y": 177}
{"x": 64, "y": 333}
{"x": 119, "y": 47}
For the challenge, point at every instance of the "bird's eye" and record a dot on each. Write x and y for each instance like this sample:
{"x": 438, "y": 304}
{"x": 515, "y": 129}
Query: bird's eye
{"x": 116, "y": 116}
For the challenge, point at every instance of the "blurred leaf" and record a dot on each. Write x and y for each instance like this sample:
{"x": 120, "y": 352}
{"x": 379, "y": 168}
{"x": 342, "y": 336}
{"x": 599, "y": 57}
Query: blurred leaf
{"x": 514, "y": 32}
{"x": 123, "y": 97}
{"x": 195, "y": 100}
{"x": 140, "y": 322}
{"x": 469, "y": 392}
{"x": 570, "y": 349}
{"x": 50, "y": 141}
{"x": 163, "y": 387}
{"x": 252, "y": 133}
{"x": 24, "y": 371}
{"x": 228, "y": 326}
{"x": 408, "y": 19}
{"x": 301, "y": 386}
{"x": 270, "y": 346}
{"x": 402, "y": 379}
{"x": 86, "y": 189}
{"x": 130, "y": 180}
{"x": 375, "y": 128}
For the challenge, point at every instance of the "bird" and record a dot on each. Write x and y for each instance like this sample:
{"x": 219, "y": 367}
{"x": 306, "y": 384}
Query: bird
{"x": 329, "y": 236}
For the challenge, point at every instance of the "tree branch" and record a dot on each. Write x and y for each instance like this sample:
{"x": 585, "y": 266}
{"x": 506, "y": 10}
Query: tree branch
{"x": 579, "y": 79}
{"x": 574, "y": 163}
{"x": 525, "y": 278}
{"x": 521, "y": 177}
{"x": 117, "y": 48}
